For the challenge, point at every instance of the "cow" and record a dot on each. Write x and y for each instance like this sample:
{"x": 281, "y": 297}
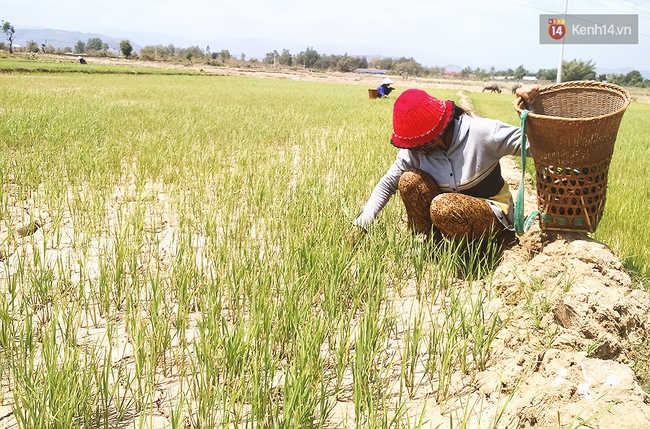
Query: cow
{"x": 492, "y": 87}
{"x": 515, "y": 87}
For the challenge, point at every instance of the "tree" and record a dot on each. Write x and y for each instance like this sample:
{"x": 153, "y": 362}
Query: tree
{"x": 193, "y": 52}
{"x": 481, "y": 74}
{"x": 126, "y": 48}
{"x": 270, "y": 57}
{"x": 546, "y": 74}
{"x": 285, "y": 59}
{"x": 520, "y": 72}
{"x": 80, "y": 47}
{"x": 224, "y": 55}
{"x": 509, "y": 72}
{"x": 148, "y": 53}
{"x": 308, "y": 58}
{"x": 345, "y": 64}
{"x": 375, "y": 62}
{"x": 386, "y": 63}
{"x": 633, "y": 78}
{"x": 326, "y": 62}
{"x": 578, "y": 70}
{"x": 407, "y": 67}
{"x": 94, "y": 44}
{"x": 9, "y": 31}
{"x": 32, "y": 47}
{"x": 436, "y": 71}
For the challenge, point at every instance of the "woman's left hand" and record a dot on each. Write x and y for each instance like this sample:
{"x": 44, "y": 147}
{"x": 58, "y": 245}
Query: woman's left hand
{"x": 528, "y": 94}
{"x": 356, "y": 235}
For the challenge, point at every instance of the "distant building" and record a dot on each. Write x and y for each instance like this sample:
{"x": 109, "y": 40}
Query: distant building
{"x": 529, "y": 78}
{"x": 371, "y": 71}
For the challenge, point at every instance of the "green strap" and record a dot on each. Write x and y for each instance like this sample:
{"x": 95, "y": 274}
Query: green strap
{"x": 522, "y": 225}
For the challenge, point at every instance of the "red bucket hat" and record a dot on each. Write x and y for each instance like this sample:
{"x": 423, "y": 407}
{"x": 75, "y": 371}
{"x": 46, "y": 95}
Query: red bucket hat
{"x": 419, "y": 119}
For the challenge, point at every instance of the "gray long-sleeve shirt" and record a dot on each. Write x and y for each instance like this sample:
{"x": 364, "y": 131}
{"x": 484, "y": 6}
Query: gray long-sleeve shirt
{"x": 470, "y": 166}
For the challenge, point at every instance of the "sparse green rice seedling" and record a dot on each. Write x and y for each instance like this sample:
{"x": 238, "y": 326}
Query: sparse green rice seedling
{"x": 538, "y": 299}
{"x": 207, "y": 383}
{"x": 567, "y": 280}
{"x": 593, "y": 347}
{"x": 459, "y": 338}
{"x": 341, "y": 351}
{"x": 57, "y": 389}
{"x": 411, "y": 350}
{"x": 465, "y": 413}
{"x": 366, "y": 371}
{"x": 304, "y": 381}
{"x": 483, "y": 332}
{"x": 578, "y": 421}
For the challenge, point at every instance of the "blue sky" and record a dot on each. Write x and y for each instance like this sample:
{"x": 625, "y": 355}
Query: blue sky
{"x": 474, "y": 33}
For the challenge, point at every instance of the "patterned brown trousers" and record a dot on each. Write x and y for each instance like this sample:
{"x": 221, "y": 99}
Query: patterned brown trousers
{"x": 456, "y": 216}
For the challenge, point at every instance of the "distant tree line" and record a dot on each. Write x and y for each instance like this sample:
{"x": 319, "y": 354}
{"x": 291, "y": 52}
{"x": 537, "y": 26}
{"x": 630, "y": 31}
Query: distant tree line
{"x": 572, "y": 71}
{"x": 313, "y": 60}
{"x": 94, "y": 45}
{"x": 632, "y": 78}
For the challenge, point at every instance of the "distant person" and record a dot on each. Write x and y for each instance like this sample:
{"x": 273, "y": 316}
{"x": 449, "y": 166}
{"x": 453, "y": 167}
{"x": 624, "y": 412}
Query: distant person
{"x": 82, "y": 60}
{"x": 447, "y": 170}
{"x": 385, "y": 88}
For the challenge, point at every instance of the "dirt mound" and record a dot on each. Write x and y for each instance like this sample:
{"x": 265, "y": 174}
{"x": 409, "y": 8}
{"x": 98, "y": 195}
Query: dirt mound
{"x": 571, "y": 351}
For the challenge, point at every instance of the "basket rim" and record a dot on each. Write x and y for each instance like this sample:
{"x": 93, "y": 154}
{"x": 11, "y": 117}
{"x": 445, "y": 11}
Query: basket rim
{"x": 610, "y": 87}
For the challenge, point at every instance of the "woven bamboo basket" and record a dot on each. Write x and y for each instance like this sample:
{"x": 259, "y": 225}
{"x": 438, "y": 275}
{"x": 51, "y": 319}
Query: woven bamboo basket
{"x": 572, "y": 128}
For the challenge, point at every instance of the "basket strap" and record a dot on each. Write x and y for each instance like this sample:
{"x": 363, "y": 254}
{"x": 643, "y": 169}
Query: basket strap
{"x": 522, "y": 225}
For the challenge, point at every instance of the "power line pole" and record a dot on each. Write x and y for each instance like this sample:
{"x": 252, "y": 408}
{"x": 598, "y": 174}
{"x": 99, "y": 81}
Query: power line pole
{"x": 559, "y": 66}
